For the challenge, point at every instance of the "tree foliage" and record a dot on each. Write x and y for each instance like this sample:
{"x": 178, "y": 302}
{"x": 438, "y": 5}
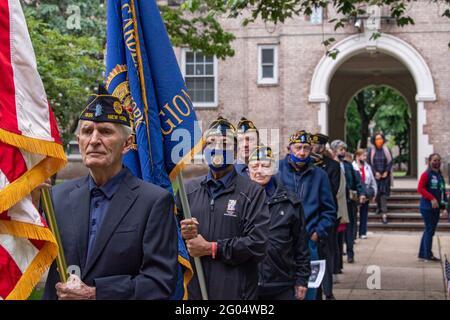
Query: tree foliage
{"x": 69, "y": 36}
{"x": 70, "y": 63}
{"x": 379, "y": 109}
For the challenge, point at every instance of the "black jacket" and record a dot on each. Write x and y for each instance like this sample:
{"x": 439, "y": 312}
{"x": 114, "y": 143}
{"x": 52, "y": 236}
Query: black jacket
{"x": 135, "y": 252}
{"x": 333, "y": 170}
{"x": 238, "y": 220}
{"x": 287, "y": 262}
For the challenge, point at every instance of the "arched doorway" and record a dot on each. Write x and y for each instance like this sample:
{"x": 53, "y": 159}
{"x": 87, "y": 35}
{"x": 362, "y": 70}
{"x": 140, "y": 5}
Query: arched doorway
{"x": 362, "y": 62}
{"x": 383, "y": 109}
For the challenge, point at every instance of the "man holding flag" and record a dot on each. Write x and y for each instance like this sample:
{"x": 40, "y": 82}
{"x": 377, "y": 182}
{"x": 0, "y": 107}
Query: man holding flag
{"x": 142, "y": 71}
{"x": 116, "y": 228}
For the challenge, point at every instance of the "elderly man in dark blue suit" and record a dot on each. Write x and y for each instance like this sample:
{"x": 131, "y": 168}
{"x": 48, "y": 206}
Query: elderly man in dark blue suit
{"x": 117, "y": 230}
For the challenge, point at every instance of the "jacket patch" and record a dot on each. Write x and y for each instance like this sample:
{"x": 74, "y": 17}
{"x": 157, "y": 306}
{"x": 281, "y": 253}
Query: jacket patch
{"x": 231, "y": 208}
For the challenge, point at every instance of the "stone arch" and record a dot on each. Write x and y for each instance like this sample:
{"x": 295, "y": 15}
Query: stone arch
{"x": 389, "y": 45}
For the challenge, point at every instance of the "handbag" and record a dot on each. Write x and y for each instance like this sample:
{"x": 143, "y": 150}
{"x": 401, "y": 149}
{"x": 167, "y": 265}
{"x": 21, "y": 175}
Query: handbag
{"x": 354, "y": 195}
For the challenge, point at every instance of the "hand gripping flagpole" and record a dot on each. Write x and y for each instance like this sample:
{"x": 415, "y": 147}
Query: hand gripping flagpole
{"x": 187, "y": 215}
{"x": 51, "y": 221}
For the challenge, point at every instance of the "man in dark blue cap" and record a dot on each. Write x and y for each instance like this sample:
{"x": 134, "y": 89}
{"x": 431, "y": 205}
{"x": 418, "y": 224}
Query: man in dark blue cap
{"x": 312, "y": 187}
{"x": 230, "y": 221}
{"x": 119, "y": 232}
{"x": 248, "y": 139}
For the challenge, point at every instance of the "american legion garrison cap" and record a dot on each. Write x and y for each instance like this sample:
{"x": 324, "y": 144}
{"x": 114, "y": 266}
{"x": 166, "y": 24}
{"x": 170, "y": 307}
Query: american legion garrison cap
{"x": 300, "y": 137}
{"x": 245, "y": 125}
{"x": 103, "y": 107}
{"x": 261, "y": 153}
{"x": 320, "y": 138}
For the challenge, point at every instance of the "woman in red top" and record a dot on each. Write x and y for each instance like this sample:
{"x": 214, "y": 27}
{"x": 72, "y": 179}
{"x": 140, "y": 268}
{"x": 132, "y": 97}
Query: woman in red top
{"x": 434, "y": 199}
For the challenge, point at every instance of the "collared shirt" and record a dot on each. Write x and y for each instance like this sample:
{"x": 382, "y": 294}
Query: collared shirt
{"x": 99, "y": 203}
{"x": 216, "y": 187}
{"x": 241, "y": 169}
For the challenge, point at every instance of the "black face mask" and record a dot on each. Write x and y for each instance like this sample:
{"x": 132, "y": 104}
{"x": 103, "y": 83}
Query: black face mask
{"x": 361, "y": 162}
{"x": 341, "y": 157}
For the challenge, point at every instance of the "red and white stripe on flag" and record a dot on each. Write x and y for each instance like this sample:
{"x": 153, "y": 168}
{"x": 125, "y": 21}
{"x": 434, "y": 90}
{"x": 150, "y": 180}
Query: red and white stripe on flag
{"x": 30, "y": 152}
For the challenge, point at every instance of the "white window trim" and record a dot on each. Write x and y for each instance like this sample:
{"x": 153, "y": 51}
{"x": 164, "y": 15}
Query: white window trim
{"x": 216, "y": 80}
{"x": 273, "y": 80}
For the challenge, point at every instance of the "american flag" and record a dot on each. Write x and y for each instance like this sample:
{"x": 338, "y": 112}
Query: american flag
{"x": 30, "y": 152}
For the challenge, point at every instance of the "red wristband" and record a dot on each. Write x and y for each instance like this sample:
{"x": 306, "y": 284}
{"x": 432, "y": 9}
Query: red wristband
{"x": 213, "y": 249}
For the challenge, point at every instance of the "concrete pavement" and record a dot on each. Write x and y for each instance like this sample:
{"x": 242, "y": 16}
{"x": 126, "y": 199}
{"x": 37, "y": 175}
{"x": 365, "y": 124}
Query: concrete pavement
{"x": 393, "y": 256}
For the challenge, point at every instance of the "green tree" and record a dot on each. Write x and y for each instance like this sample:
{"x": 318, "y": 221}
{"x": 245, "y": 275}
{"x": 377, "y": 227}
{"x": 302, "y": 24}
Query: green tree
{"x": 390, "y": 114}
{"x": 69, "y": 66}
{"x": 69, "y": 36}
{"x": 394, "y": 120}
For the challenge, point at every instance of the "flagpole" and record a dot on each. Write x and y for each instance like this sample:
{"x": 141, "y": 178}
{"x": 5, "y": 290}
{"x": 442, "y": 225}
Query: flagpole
{"x": 187, "y": 215}
{"x": 51, "y": 221}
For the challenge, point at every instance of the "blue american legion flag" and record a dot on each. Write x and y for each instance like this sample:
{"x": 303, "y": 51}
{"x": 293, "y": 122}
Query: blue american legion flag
{"x": 142, "y": 71}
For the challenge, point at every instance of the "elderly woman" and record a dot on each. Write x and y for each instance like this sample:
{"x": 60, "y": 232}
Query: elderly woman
{"x": 354, "y": 193}
{"x": 380, "y": 159}
{"x": 284, "y": 272}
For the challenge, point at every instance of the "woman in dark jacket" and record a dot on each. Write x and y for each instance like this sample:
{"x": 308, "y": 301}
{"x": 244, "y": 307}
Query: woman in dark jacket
{"x": 434, "y": 199}
{"x": 380, "y": 159}
{"x": 284, "y": 272}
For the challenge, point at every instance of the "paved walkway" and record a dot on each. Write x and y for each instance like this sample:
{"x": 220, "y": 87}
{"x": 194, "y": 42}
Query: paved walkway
{"x": 402, "y": 275}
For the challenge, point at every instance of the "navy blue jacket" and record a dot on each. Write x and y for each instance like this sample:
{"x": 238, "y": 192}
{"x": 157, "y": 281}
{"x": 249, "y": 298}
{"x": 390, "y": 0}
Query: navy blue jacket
{"x": 135, "y": 251}
{"x": 312, "y": 187}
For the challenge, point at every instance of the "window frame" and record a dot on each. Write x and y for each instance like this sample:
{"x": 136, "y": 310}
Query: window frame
{"x": 274, "y": 79}
{"x": 214, "y": 103}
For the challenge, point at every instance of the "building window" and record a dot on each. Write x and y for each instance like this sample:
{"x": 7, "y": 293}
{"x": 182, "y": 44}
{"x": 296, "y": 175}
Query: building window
{"x": 267, "y": 64}
{"x": 200, "y": 74}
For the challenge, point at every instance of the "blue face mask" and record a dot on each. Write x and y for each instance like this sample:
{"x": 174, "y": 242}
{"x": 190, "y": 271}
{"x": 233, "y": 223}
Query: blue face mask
{"x": 300, "y": 161}
{"x": 218, "y": 159}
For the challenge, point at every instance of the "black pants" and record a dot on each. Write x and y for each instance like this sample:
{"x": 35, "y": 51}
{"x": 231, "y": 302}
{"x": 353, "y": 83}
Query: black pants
{"x": 325, "y": 251}
{"x": 382, "y": 203}
{"x": 351, "y": 228}
{"x": 287, "y": 294}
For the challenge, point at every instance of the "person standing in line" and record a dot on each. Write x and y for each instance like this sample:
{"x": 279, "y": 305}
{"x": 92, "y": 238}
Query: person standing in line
{"x": 369, "y": 186}
{"x": 285, "y": 271}
{"x": 248, "y": 139}
{"x": 354, "y": 194}
{"x": 433, "y": 200}
{"x": 230, "y": 221}
{"x": 312, "y": 187}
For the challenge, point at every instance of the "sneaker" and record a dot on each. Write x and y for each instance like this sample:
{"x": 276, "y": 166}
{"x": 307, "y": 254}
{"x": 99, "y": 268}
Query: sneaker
{"x": 384, "y": 219}
{"x": 350, "y": 260}
{"x": 331, "y": 297}
{"x": 364, "y": 237}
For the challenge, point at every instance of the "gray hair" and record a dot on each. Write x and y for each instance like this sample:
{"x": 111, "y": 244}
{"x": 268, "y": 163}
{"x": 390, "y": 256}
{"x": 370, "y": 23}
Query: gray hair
{"x": 336, "y": 144}
{"x": 126, "y": 130}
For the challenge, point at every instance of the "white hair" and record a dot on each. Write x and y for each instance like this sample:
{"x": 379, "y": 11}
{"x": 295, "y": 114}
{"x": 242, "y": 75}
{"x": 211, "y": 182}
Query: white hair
{"x": 126, "y": 130}
{"x": 336, "y": 144}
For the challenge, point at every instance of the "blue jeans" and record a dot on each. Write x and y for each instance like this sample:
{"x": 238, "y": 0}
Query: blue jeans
{"x": 311, "y": 294}
{"x": 363, "y": 217}
{"x": 431, "y": 219}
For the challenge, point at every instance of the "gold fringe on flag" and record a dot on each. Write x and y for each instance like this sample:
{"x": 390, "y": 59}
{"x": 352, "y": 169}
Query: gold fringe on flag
{"x": 55, "y": 161}
{"x": 41, "y": 261}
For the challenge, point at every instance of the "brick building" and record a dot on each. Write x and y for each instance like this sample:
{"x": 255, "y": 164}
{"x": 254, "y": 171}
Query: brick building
{"x": 281, "y": 78}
